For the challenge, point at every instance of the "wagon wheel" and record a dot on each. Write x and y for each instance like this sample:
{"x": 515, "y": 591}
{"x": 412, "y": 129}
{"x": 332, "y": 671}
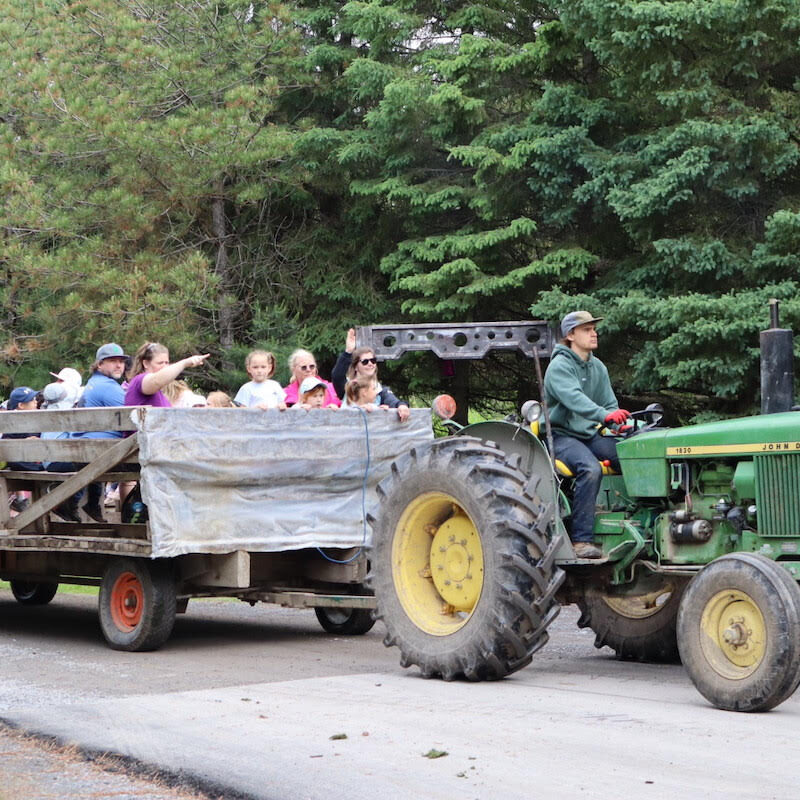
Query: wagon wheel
{"x": 345, "y": 621}
{"x": 137, "y": 604}
{"x": 33, "y": 593}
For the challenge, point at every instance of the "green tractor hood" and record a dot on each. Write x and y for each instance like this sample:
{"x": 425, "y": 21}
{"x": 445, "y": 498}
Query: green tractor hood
{"x": 645, "y": 458}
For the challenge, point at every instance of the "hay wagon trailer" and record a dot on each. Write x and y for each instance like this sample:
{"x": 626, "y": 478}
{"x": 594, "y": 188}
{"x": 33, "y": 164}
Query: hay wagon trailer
{"x": 262, "y": 506}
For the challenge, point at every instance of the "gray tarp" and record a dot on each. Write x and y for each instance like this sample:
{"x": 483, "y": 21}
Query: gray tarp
{"x": 219, "y": 480}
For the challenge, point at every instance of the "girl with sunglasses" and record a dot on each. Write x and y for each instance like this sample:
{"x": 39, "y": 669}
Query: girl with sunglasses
{"x": 302, "y": 365}
{"x": 360, "y": 363}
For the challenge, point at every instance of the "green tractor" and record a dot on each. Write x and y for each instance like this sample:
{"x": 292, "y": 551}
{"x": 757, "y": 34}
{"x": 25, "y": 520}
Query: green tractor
{"x": 700, "y": 535}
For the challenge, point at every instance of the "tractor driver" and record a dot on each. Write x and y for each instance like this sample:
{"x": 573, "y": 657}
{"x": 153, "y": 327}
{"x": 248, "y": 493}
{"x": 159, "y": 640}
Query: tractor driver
{"x": 579, "y": 395}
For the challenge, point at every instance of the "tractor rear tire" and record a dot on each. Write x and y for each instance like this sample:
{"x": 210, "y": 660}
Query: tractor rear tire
{"x": 137, "y": 604}
{"x": 463, "y": 561}
{"x": 345, "y": 621}
{"x": 638, "y": 623}
{"x": 739, "y": 632}
{"x": 33, "y": 593}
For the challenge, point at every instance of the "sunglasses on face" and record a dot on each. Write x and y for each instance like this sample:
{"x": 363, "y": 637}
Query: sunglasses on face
{"x": 365, "y": 361}
{"x": 308, "y": 367}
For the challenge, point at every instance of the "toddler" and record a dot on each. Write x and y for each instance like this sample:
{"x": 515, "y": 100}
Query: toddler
{"x": 219, "y": 400}
{"x": 362, "y": 392}
{"x": 312, "y": 394}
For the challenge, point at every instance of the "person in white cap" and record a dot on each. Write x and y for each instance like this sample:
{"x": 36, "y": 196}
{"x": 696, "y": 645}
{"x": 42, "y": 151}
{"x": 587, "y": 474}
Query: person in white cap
{"x": 72, "y": 382}
{"x": 311, "y": 393}
{"x": 580, "y": 399}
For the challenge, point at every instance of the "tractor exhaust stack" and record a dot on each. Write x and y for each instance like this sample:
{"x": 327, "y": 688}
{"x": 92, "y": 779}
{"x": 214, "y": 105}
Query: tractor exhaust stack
{"x": 777, "y": 366}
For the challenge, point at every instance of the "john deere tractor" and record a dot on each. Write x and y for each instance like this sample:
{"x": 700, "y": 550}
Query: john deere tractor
{"x": 700, "y": 537}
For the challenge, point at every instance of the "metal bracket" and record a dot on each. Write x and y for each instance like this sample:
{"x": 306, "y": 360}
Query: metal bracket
{"x": 634, "y": 546}
{"x": 471, "y": 340}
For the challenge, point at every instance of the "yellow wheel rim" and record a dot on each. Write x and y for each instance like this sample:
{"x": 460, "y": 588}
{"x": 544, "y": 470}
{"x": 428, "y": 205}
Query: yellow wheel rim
{"x": 640, "y": 606}
{"x": 437, "y": 563}
{"x": 733, "y": 635}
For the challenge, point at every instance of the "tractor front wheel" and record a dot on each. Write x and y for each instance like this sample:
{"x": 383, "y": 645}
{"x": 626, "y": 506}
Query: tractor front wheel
{"x": 463, "y": 563}
{"x": 637, "y": 621}
{"x": 739, "y": 632}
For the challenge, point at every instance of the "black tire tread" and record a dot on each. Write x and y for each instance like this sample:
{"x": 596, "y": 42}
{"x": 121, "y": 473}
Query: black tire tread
{"x": 651, "y": 639}
{"x": 160, "y": 599}
{"x": 774, "y": 681}
{"x": 358, "y": 622}
{"x": 525, "y": 581}
{"x": 30, "y": 593}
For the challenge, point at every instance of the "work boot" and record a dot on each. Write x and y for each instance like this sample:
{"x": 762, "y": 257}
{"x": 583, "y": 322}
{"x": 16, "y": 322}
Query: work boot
{"x": 67, "y": 513}
{"x": 587, "y": 550}
{"x": 95, "y": 512}
{"x": 68, "y": 510}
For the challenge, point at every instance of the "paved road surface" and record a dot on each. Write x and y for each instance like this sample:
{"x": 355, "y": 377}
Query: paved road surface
{"x": 248, "y": 700}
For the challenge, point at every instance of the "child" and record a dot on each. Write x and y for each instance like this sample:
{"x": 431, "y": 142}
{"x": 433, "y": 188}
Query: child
{"x": 311, "y": 394}
{"x": 219, "y": 400}
{"x": 260, "y": 392}
{"x": 362, "y": 392}
{"x": 23, "y": 398}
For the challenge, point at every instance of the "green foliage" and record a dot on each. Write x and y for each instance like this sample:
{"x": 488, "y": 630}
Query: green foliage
{"x": 224, "y": 175}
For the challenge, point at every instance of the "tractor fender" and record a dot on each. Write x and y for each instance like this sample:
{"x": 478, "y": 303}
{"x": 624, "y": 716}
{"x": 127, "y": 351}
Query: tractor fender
{"x": 535, "y": 462}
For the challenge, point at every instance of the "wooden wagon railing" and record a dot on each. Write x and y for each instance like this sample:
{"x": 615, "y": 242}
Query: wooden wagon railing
{"x": 111, "y": 459}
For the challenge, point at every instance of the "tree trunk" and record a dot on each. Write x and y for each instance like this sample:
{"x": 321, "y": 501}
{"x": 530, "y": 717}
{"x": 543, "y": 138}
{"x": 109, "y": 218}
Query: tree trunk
{"x": 226, "y": 301}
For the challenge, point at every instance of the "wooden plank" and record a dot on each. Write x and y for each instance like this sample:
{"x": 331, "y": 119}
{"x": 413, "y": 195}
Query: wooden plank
{"x": 5, "y": 514}
{"x": 72, "y": 419}
{"x": 41, "y": 523}
{"x": 117, "y": 530}
{"x": 298, "y": 599}
{"x": 81, "y": 450}
{"x": 91, "y": 472}
{"x": 14, "y": 478}
{"x": 73, "y": 580}
{"x": 76, "y": 544}
{"x": 212, "y": 569}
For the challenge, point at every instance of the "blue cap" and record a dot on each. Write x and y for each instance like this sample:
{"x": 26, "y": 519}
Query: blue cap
{"x": 22, "y": 394}
{"x": 574, "y": 319}
{"x": 110, "y": 350}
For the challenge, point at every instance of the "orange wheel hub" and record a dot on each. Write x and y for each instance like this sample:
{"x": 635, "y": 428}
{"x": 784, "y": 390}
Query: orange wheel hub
{"x": 127, "y": 601}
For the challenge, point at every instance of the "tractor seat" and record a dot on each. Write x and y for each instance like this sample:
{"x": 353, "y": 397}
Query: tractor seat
{"x": 562, "y": 469}
{"x": 565, "y": 472}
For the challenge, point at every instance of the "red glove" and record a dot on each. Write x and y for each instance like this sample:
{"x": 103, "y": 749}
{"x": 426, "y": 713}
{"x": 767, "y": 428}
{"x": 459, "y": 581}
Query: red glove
{"x": 624, "y": 428}
{"x": 617, "y": 417}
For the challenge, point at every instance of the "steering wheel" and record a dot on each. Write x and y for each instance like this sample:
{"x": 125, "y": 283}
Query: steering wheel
{"x": 645, "y": 420}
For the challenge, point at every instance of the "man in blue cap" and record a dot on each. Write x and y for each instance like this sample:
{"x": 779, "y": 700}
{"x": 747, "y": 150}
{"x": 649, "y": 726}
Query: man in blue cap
{"x": 580, "y": 399}
{"x": 102, "y": 390}
{"x": 103, "y": 387}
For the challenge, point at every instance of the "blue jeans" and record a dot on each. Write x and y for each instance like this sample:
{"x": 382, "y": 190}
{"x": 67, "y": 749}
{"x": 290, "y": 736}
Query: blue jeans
{"x": 582, "y": 457}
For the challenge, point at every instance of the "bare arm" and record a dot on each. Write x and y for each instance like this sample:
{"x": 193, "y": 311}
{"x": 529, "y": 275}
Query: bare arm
{"x": 155, "y": 381}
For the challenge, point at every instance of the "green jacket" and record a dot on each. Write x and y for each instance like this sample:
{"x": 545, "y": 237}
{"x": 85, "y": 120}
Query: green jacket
{"x": 578, "y": 393}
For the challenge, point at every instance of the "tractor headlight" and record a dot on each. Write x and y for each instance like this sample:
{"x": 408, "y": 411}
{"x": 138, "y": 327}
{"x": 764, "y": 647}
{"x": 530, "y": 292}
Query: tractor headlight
{"x": 531, "y": 411}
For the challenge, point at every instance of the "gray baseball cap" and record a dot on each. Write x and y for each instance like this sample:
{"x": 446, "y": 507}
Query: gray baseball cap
{"x": 575, "y": 318}
{"x": 110, "y": 350}
{"x": 310, "y": 383}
